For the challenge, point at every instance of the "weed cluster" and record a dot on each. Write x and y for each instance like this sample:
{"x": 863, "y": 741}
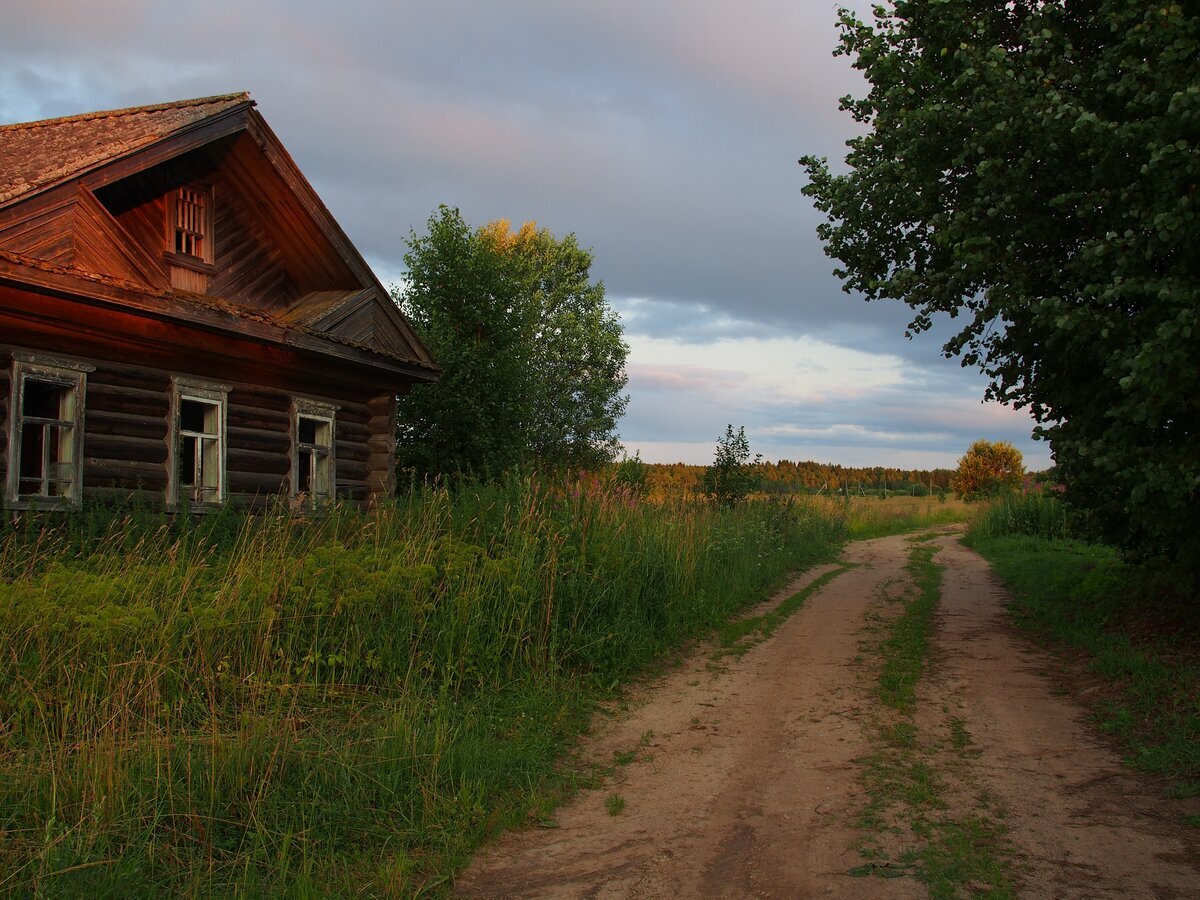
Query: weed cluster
{"x": 257, "y": 705}
{"x": 1037, "y": 513}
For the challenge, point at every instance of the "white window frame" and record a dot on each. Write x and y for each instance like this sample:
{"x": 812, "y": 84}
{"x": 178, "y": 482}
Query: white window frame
{"x": 65, "y": 373}
{"x": 322, "y": 456}
{"x": 211, "y": 394}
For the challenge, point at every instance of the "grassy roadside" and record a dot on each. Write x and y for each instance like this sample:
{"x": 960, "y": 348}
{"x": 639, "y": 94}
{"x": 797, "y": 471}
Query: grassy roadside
{"x": 1130, "y": 648}
{"x": 907, "y": 825}
{"x": 256, "y": 706}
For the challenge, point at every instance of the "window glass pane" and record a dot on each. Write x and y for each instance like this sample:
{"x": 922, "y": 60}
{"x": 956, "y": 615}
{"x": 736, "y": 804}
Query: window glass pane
{"x": 43, "y": 400}
{"x": 31, "y": 452}
{"x": 304, "y": 471}
{"x": 187, "y": 462}
{"x": 307, "y": 430}
{"x": 58, "y": 480}
{"x": 198, "y": 416}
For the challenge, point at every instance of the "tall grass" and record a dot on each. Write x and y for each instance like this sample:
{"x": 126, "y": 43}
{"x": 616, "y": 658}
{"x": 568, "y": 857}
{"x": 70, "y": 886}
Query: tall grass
{"x": 871, "y": 517}
{"x": 1034, "y": 513}
{"x": 260, "y": 706}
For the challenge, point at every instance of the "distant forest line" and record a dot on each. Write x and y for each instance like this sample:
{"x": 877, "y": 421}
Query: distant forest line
{"x": 788, "y": 477}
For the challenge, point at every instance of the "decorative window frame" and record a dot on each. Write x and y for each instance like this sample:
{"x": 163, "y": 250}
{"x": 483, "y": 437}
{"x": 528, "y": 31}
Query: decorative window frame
{"x": 204, "y": 261}
{"x": 325, "y": 413}
{"x": 70, "y": 374}
{"x": 203, "y": 391}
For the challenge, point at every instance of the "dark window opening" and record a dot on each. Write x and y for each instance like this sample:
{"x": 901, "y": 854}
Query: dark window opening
{"x": 46, "y": 440}
{"x": 199, "y": 451}
{"x": 314, "y": 459}
{"x": 191, "y": 223}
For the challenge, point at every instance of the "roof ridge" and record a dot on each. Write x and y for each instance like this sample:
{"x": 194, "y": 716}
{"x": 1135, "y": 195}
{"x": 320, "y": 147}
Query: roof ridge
{"x": 129, "y": 110}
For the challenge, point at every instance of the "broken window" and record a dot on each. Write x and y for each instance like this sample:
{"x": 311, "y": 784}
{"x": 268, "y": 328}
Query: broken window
{"x": 199, "y": 443}
{"x": 313, "y": 452}
{"x": 46, "y": 433}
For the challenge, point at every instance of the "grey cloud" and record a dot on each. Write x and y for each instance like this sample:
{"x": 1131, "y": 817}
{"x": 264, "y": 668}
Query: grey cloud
{"x": 664, "y": 135}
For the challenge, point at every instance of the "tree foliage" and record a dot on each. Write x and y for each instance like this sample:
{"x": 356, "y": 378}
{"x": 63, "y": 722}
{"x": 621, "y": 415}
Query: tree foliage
{"x": 1032, "y": 168}
{"x": 729, "y": 479}
{"x": 532, "y": 355}
{"x": 988, "y": 469}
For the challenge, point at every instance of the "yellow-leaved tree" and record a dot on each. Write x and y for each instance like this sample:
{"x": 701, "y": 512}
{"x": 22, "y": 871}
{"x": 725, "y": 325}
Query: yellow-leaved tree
{"x": 987, "y": 469}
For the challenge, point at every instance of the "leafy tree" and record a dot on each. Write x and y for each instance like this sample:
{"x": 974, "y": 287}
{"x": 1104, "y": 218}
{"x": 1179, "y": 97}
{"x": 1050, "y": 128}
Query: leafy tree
{"x": 533, "y": 358}
{"x": 729, "y": 479}
{"x": 988, "y": 469}
{"x": 578, "y": 353}
{"x": 632, "y": 475}
{"x": 1032, "y": 166}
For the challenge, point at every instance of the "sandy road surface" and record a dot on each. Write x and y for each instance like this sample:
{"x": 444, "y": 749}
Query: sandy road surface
{"x": 749, "y": 783}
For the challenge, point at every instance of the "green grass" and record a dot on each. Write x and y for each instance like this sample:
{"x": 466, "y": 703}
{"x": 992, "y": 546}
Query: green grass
{"x": 257, "y": 706}
{"x": 260, "y": 706}
{"x": 906, "y": 649}
{"x": 873, "y": 517}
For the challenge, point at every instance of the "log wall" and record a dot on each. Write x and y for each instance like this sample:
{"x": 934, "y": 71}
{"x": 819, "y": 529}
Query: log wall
{"x": 126, "y": 431}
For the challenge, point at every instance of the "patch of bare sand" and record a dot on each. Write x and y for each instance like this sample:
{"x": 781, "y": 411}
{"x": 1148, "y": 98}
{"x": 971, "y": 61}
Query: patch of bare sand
{"x": 749, "y": 784}
{"x": 1081, "y": 823}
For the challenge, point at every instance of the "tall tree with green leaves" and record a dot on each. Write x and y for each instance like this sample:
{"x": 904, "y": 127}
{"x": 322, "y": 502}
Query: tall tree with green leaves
{"x": 1031, "y": 168}
{"x": 730, "y": 478}
{"x": 532, "y": 355}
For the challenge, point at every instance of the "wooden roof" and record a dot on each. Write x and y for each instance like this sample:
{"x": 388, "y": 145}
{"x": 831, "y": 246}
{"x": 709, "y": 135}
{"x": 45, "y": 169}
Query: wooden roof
{"x": 39, "y": 160}
{"x": 38, "y": 155}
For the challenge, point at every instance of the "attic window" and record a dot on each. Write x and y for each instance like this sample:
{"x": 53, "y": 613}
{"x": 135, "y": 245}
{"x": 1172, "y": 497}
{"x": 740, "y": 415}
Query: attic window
{"x": 189, "y": 224}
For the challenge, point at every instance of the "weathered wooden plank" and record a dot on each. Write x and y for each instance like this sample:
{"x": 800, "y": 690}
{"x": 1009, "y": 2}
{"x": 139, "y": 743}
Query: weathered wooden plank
{"x": 130, "y": 377}
{"x": 5, "y": 393}
{"x": 102, "y": 244}
{"x": 352, "y": 452}
{"x": 122, "y": 448}
{"x": 264, "y": 439}
{"x": 353, "y": 431}
{"x": 255, "y": 483}
{"x": 353, "y": 414}
{"x": 256, "y": 461}
{"x": 107, "y": 422}
{"x": 352, "y": 471}
{"x": 260, "y": 398}
{"x": 98, "y": 391}
{"x": 123, "y": 493}
{"x": 152, "y": 476}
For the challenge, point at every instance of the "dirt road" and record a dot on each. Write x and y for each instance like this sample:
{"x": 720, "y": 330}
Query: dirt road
{"x": 750, "y": 775}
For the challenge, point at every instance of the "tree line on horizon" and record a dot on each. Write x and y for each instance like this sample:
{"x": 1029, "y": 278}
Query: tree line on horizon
{"x": 792, "y": 476}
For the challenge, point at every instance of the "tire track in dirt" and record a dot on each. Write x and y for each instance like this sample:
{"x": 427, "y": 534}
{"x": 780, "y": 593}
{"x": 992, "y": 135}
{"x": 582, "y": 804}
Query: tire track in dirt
{"x": 748, "y": 784}
{"x": 751, "y": 783}
{"x": 1081, "y": 823}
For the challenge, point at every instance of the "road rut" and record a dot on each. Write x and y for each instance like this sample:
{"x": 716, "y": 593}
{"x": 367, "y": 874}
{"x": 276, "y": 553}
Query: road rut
{"x": 747, "y": 781}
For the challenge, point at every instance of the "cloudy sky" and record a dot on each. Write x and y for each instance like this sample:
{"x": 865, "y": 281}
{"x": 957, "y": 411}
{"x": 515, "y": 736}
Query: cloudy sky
{"x": 663, "y": 134}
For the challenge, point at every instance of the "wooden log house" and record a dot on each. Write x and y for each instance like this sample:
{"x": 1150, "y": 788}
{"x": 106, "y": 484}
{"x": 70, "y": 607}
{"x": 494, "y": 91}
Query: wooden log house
{"x": 181, "y": 319}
